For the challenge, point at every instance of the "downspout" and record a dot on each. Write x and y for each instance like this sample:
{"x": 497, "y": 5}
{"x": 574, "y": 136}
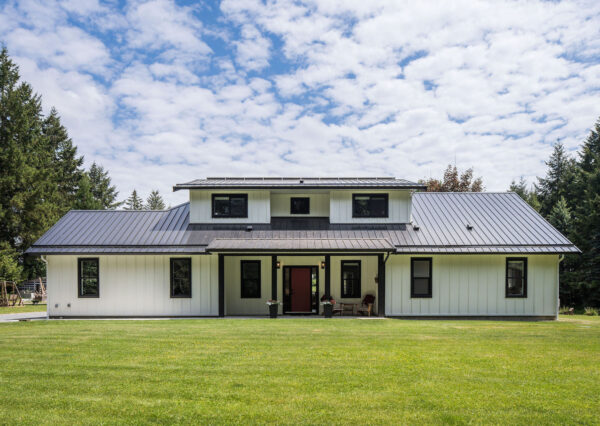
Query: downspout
{"x": 560, "y": 259}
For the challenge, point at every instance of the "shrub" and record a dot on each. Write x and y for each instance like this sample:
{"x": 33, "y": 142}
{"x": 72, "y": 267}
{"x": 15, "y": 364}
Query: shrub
{"x": 591, "y": 311}
{"x": 564, "y": 310}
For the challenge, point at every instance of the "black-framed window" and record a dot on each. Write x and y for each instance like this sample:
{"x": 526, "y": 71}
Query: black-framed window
{"x": 350, "y": 279}
{"x": 250, "y": 279}
{"x": 370, "y": 205}
{"x": 420, "y": 277}
{"x": 299, "y": 205}
{"x": 229, "y": 205}
{"x": 516, "y": 277}
{"x": 88, "y": 277}
{"x": 181, "y": 277}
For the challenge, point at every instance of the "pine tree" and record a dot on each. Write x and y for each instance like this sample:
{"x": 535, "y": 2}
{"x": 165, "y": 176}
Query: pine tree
{"x": 134, "y": 202}
{"x": 102, "y": 190}
{"x": 155, "y": 201}
{"x": 453, "y": 182}
{"x": 84, "y": 198}
{"x": 520, "y": 188}
{"x": 560, "y": 216}
{"x": 559, "y": 179}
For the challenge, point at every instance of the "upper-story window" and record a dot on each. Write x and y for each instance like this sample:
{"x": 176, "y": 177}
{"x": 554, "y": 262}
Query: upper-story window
{"x": 369, "y": 205}
{"x": 229, "y": 205}
{"x": 299, "y": 205}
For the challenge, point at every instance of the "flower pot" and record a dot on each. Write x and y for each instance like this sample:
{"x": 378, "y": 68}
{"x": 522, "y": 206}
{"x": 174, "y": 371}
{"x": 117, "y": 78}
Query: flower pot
{"x": 273, "y": 309}
{"x": 328, "y": 310}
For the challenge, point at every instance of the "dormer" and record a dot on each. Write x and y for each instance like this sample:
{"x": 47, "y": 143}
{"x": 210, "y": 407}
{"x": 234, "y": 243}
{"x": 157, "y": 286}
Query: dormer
{"x": 339, "y": 200}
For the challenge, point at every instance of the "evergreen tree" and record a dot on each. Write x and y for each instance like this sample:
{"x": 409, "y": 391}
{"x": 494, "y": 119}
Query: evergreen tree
{"x": 559, "y": 179}
{"x": 134, "y": 202}
{"x": 84, "y": 198}
{"x": 155, "y": 201}
{"x": 520, "y": 188}
{"x": 102, "y": 190}
{"x": 560, "y": 216}
{"x": 453, "y": 182}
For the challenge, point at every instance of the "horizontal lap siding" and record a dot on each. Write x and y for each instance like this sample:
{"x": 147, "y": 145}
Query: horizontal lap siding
{"x": 133, "y": 285}
{"x": 472, "y": 285}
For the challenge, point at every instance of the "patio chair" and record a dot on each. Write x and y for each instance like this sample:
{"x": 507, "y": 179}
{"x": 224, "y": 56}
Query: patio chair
{"x": 366, "y": 307}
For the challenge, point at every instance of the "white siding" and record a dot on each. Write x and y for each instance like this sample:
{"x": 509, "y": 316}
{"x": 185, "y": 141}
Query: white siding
{"x": 341, "y": 207}
{"x": 259, "y": 207}
{"x": 234, "y": 304}
{"x": 132, "y": 285}
{"x": 472, "y": 285}
{"x": 319, "y": 204}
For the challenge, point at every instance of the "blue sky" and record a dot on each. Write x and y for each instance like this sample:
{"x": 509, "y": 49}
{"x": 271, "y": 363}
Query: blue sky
{"x": 162, "y": 92}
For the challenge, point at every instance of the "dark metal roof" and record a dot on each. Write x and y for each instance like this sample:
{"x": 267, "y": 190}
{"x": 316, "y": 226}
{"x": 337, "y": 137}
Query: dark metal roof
{"x": 299, "y": 182}
{"x": 300, "y": 244}
{"x": 500, "y": 223}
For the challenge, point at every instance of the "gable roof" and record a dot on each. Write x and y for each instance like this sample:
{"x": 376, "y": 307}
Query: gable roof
{"x": 299, "y": 183}
{"x": 500, "y": 223}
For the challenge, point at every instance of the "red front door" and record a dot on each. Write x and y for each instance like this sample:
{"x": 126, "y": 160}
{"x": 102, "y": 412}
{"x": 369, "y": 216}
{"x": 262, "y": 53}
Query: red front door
{"x": 300, "y": 286}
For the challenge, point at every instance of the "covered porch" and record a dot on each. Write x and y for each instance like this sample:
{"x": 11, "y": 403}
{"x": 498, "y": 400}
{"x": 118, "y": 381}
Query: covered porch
{"x": 299, "y": 274}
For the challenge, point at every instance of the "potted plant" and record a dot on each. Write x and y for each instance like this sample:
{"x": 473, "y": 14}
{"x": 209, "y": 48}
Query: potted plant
{"x": 327, "y": 302}
{"x": 273, "y": 308}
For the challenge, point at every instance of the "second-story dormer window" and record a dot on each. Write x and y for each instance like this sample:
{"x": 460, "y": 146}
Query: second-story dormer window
{"x": 299, "y": 205}
{"x": 369, "y": 205}
{"x": 229, "y": 205}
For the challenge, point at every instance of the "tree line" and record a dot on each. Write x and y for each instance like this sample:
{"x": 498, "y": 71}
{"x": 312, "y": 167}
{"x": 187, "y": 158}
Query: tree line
{"x": 41, "y": 175}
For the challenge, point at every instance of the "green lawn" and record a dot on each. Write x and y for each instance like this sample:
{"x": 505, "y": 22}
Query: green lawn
{"x": 301, "y": 371}
{"x": 21, "y": 309}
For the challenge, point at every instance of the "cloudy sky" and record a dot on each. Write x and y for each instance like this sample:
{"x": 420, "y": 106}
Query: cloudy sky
{"x": 162, "y": 92}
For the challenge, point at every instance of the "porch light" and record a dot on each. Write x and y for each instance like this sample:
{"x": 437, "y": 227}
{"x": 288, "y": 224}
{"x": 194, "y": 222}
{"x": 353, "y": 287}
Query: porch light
{"x": 322, "y": 264}
{"x": 278, "y": 264}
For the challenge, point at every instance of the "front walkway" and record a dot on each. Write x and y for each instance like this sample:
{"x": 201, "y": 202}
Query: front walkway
{"x": 23, "y": 316}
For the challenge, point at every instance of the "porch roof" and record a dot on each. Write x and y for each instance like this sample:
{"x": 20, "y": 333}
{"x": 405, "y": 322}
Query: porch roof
{"x": 300, "y": 244}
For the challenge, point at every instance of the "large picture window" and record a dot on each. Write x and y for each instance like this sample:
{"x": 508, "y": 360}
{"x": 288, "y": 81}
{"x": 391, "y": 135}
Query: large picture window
{"x": 250, "y": 279}
{"x": 369, "y": 205}
{"x": 420, "y": 277}
{"x": 229, "y": 205}
{"x": 299, "y": 205}
{"x": 351, "y": 279}
{"x": 516, "y": 277}
{"x": 181, "y": 277}
{"x": 88, "y": 277}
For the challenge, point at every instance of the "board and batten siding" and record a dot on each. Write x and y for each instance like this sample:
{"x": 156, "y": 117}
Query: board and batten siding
{"x": 399, "y": 207}
{"x": 259, "y": 207}
{"x": 319, "y": 204}
{"x": 132, "y": 285}
{"x": 234, "y": 303}
{"x": 472, "y": 285}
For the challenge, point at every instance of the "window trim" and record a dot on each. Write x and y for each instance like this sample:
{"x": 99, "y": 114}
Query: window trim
{"x": 429, "y": 294}
{"x": 79, "y": 292}
{"x": 299, "y": 198}
{"x": 242, "y": 263}
{"x": 171, "y": 260}
{"x": 387, "y": 205}
{"x": 342, "y": 279}
{"x": 516, "y": 296}
{"x": 212, "y": 206}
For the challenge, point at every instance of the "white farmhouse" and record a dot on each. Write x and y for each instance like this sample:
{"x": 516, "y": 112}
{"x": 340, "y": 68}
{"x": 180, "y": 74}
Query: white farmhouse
{"x": 239, "y": 242}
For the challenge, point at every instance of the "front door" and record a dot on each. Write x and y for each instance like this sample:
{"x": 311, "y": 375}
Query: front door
{"x": 300, "y": 289}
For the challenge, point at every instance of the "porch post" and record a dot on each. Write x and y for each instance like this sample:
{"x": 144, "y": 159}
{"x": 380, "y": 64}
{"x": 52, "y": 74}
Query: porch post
{"x": 274, "y": 277}
{"x": 380, "y": 286}
{"x": 221, "y": 285}
{"x": 327, "y": 277}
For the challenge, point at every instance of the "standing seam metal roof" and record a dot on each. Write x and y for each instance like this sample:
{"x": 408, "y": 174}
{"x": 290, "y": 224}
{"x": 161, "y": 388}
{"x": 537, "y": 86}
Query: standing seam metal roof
{"x": 501, "y": 223}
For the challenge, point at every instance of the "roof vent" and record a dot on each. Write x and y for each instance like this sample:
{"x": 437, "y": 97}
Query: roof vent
{"x": 301, "y": 180}
{"x": 416, "y": 227}
{"x": 249, "y": 228}
{"x": 469, "y": 227}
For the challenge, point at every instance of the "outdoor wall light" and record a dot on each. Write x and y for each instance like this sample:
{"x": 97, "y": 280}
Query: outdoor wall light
{"x": 278, "y": 264}
{"x": 323, "y": 264}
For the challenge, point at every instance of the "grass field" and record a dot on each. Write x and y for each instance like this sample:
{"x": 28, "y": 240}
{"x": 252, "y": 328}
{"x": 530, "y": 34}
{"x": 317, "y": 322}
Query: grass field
{"x": 300, "y": 371}
{"x": 21, "y": 309}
